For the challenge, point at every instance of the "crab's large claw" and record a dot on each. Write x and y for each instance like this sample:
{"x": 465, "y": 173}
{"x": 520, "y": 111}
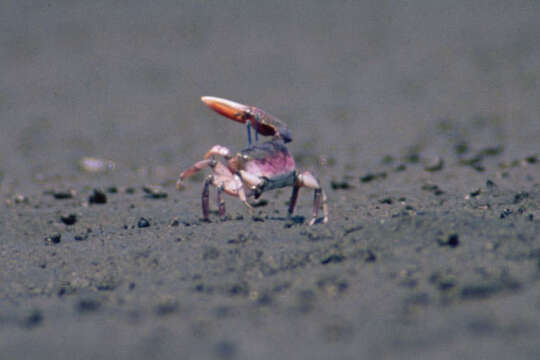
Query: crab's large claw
{"x": 263, "y": 123}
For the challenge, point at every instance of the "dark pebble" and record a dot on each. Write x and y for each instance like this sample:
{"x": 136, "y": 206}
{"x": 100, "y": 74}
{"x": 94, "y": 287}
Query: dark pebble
{"x": 480, "y": 291}
{"x": 479, "y": 167}
{"x": 69, "y": 219}
{"x": 81, "y": 236}
{"x": 53, "y": 239}
{"x": 433, "y": 188}
{"x": 88, "y": 305}
{"x": 505, "y": 213}
{"x": 166, "y": 308}
{"x": 332, "y": 259}
{"x": 400, "y": 167}
{"x": 443, "y": 282}
{"x": 370, "y": 256}
{"x": 97, "y": 197}
{"x": 413, "y": 158}
{"x": 240, "y": 239}
{"x": 62, "y": 195}
{"x": 475, "y": 193}
{"x": 112, "y": 189}
{"x": 429, "y": 187}
{"x": 490, "y": 184}
{"x": 340, "y": 185}
{"x": 520, "y": 196}
{"x": 451, "y": 241}
{"x": 264, "y": 300}
{"x": 130, "y": 190}
{"x": 491, "y": 151}
{"x": 352, "y": 229}
{"x": 370, "y": 176}
{"x": 34, "y": 319}
{"x": 531, "y": 217}
{"x": 532, "y": 159}
{"x": 388, "y": 201}
{"x": 461, "y": 148}
{"x": 237, "y": 289}
{"x": 142, "y": 223}
{"x": 260, "y": 203}
{"x": 367, "y": 178}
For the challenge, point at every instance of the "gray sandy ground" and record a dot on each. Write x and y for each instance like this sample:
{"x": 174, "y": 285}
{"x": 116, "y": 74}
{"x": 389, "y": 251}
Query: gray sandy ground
{"x": 422, "y": 121}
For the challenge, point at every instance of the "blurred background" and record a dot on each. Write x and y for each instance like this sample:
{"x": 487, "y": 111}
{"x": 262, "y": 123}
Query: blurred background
{"x": 355, "y": 80}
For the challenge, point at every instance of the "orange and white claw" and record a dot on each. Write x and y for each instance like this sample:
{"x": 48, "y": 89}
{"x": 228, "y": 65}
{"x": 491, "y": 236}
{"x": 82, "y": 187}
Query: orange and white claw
{"x": 227, "y": 108}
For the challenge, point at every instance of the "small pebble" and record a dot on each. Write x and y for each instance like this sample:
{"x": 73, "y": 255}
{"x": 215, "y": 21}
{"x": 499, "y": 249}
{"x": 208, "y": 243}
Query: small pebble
{"x": 62, "y": 195}
{"x": 34, "y": 319}
{"x": 367, "y": 178}
{"x": 96, "y": 165}
{"x": 340, "y": 185}
{"x": 53, "y": 239}
{"x": 532, "y": 159}
{"x": 451, "y": 241}
{"x": 461, "y": 148}
{"x": 473, "y": 194}
{"x": 69, "y": 219}
{"x": 154, "y": 192}
{"x": 81, "y": 236}
{"x": 142, "y": 223}
{"x": 520, "y": 196}
{"x": 435, "y": 164}
{"x": 97, "y": 197}
{"x": 20, "y": 199}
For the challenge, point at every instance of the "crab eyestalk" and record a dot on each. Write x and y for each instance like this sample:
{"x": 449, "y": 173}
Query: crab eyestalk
{"x": 262, "y": 122}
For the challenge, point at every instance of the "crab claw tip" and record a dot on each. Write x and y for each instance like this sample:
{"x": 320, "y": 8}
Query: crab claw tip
{"x": 227, "y": 108}
{"x": 179, "y": 184}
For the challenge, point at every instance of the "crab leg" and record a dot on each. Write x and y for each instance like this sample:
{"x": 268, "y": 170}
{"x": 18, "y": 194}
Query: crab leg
{"x": 248, "y": 128}
{"x": 294, "y": 196}
{"x": 221, "y": 203}
{"x": 306, "y": 179}
{"x": 198, "y": 166}
{"x": 205, "y": 195}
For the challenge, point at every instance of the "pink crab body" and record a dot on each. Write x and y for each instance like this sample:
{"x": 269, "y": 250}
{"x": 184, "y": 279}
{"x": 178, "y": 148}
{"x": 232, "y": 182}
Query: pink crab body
{"x": 276, "y": 160}
{"x": 258, "y": 168}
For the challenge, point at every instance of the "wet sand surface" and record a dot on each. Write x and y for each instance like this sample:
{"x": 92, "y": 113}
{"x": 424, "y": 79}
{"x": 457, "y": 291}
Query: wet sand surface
{"x": 421, "y": 120}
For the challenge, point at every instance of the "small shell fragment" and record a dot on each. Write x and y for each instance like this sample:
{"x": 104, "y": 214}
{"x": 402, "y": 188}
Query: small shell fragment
{"x": 96, "y": 165}
{"x": 154, "y": 192}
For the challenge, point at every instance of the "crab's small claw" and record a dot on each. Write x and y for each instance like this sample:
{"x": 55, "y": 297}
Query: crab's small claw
{"x": 263, "y": 123}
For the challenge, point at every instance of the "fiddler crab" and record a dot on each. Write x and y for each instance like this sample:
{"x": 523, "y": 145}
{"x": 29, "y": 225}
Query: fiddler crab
{"x": 259, "y": 167}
